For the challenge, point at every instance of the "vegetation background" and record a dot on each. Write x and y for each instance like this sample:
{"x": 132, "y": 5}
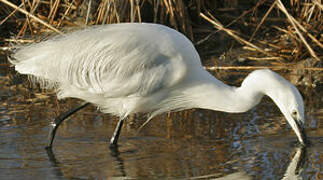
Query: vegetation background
{"x": 229, "y": 34}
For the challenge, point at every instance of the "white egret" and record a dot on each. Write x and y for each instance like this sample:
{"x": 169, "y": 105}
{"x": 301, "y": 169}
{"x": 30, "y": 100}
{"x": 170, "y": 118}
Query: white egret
{"x": 140, "y": 67}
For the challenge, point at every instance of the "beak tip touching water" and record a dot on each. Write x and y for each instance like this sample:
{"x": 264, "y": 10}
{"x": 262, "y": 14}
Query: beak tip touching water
{"x": 302, "y": 133}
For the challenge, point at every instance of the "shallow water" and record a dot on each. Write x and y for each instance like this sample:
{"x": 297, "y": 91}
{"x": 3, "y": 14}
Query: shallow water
{"x": 193, "y": 144}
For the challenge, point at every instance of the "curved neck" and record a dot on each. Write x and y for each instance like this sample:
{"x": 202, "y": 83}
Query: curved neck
{"x": 215, "y": 95}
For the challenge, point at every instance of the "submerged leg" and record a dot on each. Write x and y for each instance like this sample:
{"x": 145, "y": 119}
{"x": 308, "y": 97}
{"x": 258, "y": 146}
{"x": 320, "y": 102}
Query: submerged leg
{"x": 116, "y": 133}
{"x": 57, "y": 121}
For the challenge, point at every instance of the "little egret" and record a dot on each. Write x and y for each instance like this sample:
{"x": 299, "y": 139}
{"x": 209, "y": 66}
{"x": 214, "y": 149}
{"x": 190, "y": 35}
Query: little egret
{"x": 140, "y": 67}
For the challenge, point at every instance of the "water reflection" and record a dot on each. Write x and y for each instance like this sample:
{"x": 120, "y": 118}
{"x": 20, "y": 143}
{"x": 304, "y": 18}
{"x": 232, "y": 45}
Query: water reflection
{"x": 293, "y": 170}
{"x": 296, "y": 165}
{"x": 54, "y": 163}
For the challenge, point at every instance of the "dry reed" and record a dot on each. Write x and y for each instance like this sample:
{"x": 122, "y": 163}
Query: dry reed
{"x": 299, "y": 39}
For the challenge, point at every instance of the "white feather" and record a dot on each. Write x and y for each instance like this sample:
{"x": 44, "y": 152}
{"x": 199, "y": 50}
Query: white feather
{"x": 132, "y": 67}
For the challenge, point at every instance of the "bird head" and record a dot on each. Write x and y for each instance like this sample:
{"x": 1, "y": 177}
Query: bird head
{"x": 293, "y": 110}
{"x": 290, "y": 102}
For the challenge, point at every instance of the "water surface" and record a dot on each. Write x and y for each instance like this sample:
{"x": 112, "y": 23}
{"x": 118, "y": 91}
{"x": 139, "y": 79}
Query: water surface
{"x": 192, "y": 144}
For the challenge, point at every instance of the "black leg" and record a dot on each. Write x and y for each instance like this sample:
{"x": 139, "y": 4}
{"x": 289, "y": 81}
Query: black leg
{"x": 116, "y": 133}
{"x": 57, "y": 121}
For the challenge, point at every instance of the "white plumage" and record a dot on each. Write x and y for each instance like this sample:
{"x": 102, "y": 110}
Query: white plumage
{"x": 133, "y": 67}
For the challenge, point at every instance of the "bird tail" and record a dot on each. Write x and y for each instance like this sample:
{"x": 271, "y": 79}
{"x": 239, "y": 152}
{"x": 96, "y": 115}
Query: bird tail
{"x": 31, "y": 60}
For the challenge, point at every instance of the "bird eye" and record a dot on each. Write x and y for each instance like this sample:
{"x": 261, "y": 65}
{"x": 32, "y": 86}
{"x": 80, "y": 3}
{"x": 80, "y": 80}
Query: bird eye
{"x": 294, "y": 113}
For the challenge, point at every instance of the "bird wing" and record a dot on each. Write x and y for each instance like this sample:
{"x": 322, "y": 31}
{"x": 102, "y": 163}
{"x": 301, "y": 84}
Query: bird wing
{"x": 119, "y": 69}
{"x": 118, "y": 62}
{"x": 112, "y": 60}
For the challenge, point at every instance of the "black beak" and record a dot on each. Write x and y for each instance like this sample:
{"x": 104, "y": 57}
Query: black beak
{"x": 301, "y": 128}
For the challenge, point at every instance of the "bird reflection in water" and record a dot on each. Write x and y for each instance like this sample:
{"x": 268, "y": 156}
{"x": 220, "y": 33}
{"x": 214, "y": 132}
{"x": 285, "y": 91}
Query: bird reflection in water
{"x": 293, "y": 171}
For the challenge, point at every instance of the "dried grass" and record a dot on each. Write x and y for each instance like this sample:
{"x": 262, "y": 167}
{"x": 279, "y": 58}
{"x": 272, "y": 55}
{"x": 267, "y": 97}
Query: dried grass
{"x": 213, "y": 68}
{"x": 301, "y": 39}
{"x": 29, "y": 14}
{"x": 57, "y": 13}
